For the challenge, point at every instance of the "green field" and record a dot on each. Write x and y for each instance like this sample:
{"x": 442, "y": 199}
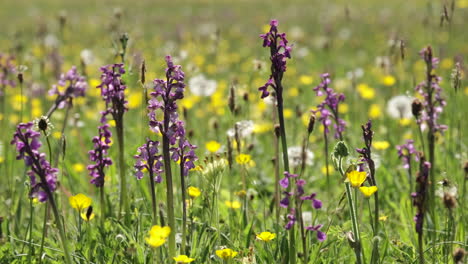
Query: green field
{"x": 218, "y": 210}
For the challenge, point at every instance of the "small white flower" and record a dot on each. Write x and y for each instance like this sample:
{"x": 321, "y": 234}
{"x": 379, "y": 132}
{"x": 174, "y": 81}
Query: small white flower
{"x": 201, "y": 86}
{"x": 307, "y": 218}
{"x": 43, "y": 125}
{"x": 295, "y": 156}
{"x": 87, "y": 56}
{"x": 400, "y": 107}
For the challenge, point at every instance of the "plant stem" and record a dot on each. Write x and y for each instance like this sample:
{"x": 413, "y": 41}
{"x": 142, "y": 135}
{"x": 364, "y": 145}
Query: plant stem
{"x": 326, "y": 161}
{"x": 284, "y": 146}
{"x": 153, "y": 198}
{"x": 123, "y": 180}
{"x": 420, "y": 248}
{"x": 60, "y": 227}
{"x": 352, "y": 211}
{"x": 184, "y": 204}
{"x": 44, "y": 231}
{"x": 169, "y": 186}
{"x": 101, "y": 196}
{"x": 31, "y": 215}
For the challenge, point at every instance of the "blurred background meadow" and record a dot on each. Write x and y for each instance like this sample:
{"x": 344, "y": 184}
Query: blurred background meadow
{"x": 371, "y": 50}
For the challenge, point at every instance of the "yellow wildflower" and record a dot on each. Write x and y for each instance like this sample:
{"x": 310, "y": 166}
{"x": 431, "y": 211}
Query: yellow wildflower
{"x": 288, "y": 113}
{"x": 193, "y": 192}
{"x": 89, "y": 215}
{"x": 243, "y": 159}
{"x": 381, "y": 145}
{"x": 80, "y": 202}
{"x": 266, "y": 236}
{"x": 157, "y": 236}
{"x": 330, "y": 169}
{"x": 365, "y": 91}
{"x": 368, "y": 191}
{"x": 405, "y": 121}
{"x": 233, "y": 205}
{"x": 134, "y": 100}
{"x": 374, "y": 111}
{"x": 356, "y": 178}
{"x": 183, "y": 259}
{"x": 293, "y": 92}
{"x": 241, "y": 193}
{"x": 226, "y": 253}
{"x": 212, "y": 146}
{"x": 306, "y": 79}
{"x": 383, "y": 218}
{"x": 78, "y": 167}
{"x": 388, "y": 80}
{"x": 343, "y": 108}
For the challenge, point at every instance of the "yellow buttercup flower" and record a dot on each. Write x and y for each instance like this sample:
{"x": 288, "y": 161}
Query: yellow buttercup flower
{"x": 79, "y": 167}
{"x": 193, "y": 192}
{"x": 375, "y": 111}
{"x": 381, "y": 145}
{"x": 226, "y": 253}
{"x": 368, "y": 191}
{"x": 183, "y": 259}
{"x": 383, "y": 218}
{"x": 356, "y": 178}
{"x": 233, "y": 205}
{"x": 157, "y": 236}
{"x": 212, "y": 146}
{"x": 365, "y": 91}
{"x": 243, "y": 159}
{"x": 405, "y": 121}
{"x": 330, "y": 169}
{"x": 266, "y": 236}
{"x": 306, "y": 79}
{"x": 80, "y": 202}
{"x": 88, "y": 216}
{"x": 388, "y": 80}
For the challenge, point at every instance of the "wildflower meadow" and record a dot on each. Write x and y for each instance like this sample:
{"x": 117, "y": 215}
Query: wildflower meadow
{"x": 233, "y": 131}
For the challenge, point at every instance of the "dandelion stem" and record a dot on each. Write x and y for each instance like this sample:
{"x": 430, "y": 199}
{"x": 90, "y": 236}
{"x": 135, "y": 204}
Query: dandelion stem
{"x": 352, "y": 211}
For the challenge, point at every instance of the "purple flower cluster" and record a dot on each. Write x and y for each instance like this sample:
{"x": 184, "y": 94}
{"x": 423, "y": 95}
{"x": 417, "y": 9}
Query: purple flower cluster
{"x": 430, "y": 90}
{"x": 27, "y": 144}
{"x": 279, "y": 53}
{"x": 299, "y": 194}
{"x": 186, "y": 153}
{"x": 405, "y": 152}
{"x": 147, "y": 159}
{"x": 7, "y": 70}
{"x": 419, "y": 197}
{"x": 331, "y": 101}
{"x": 77, "y": 86}
{"x": 99, "y": 155}
{"x": 113, "y": 91}
{"x": 164, "y": 97}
